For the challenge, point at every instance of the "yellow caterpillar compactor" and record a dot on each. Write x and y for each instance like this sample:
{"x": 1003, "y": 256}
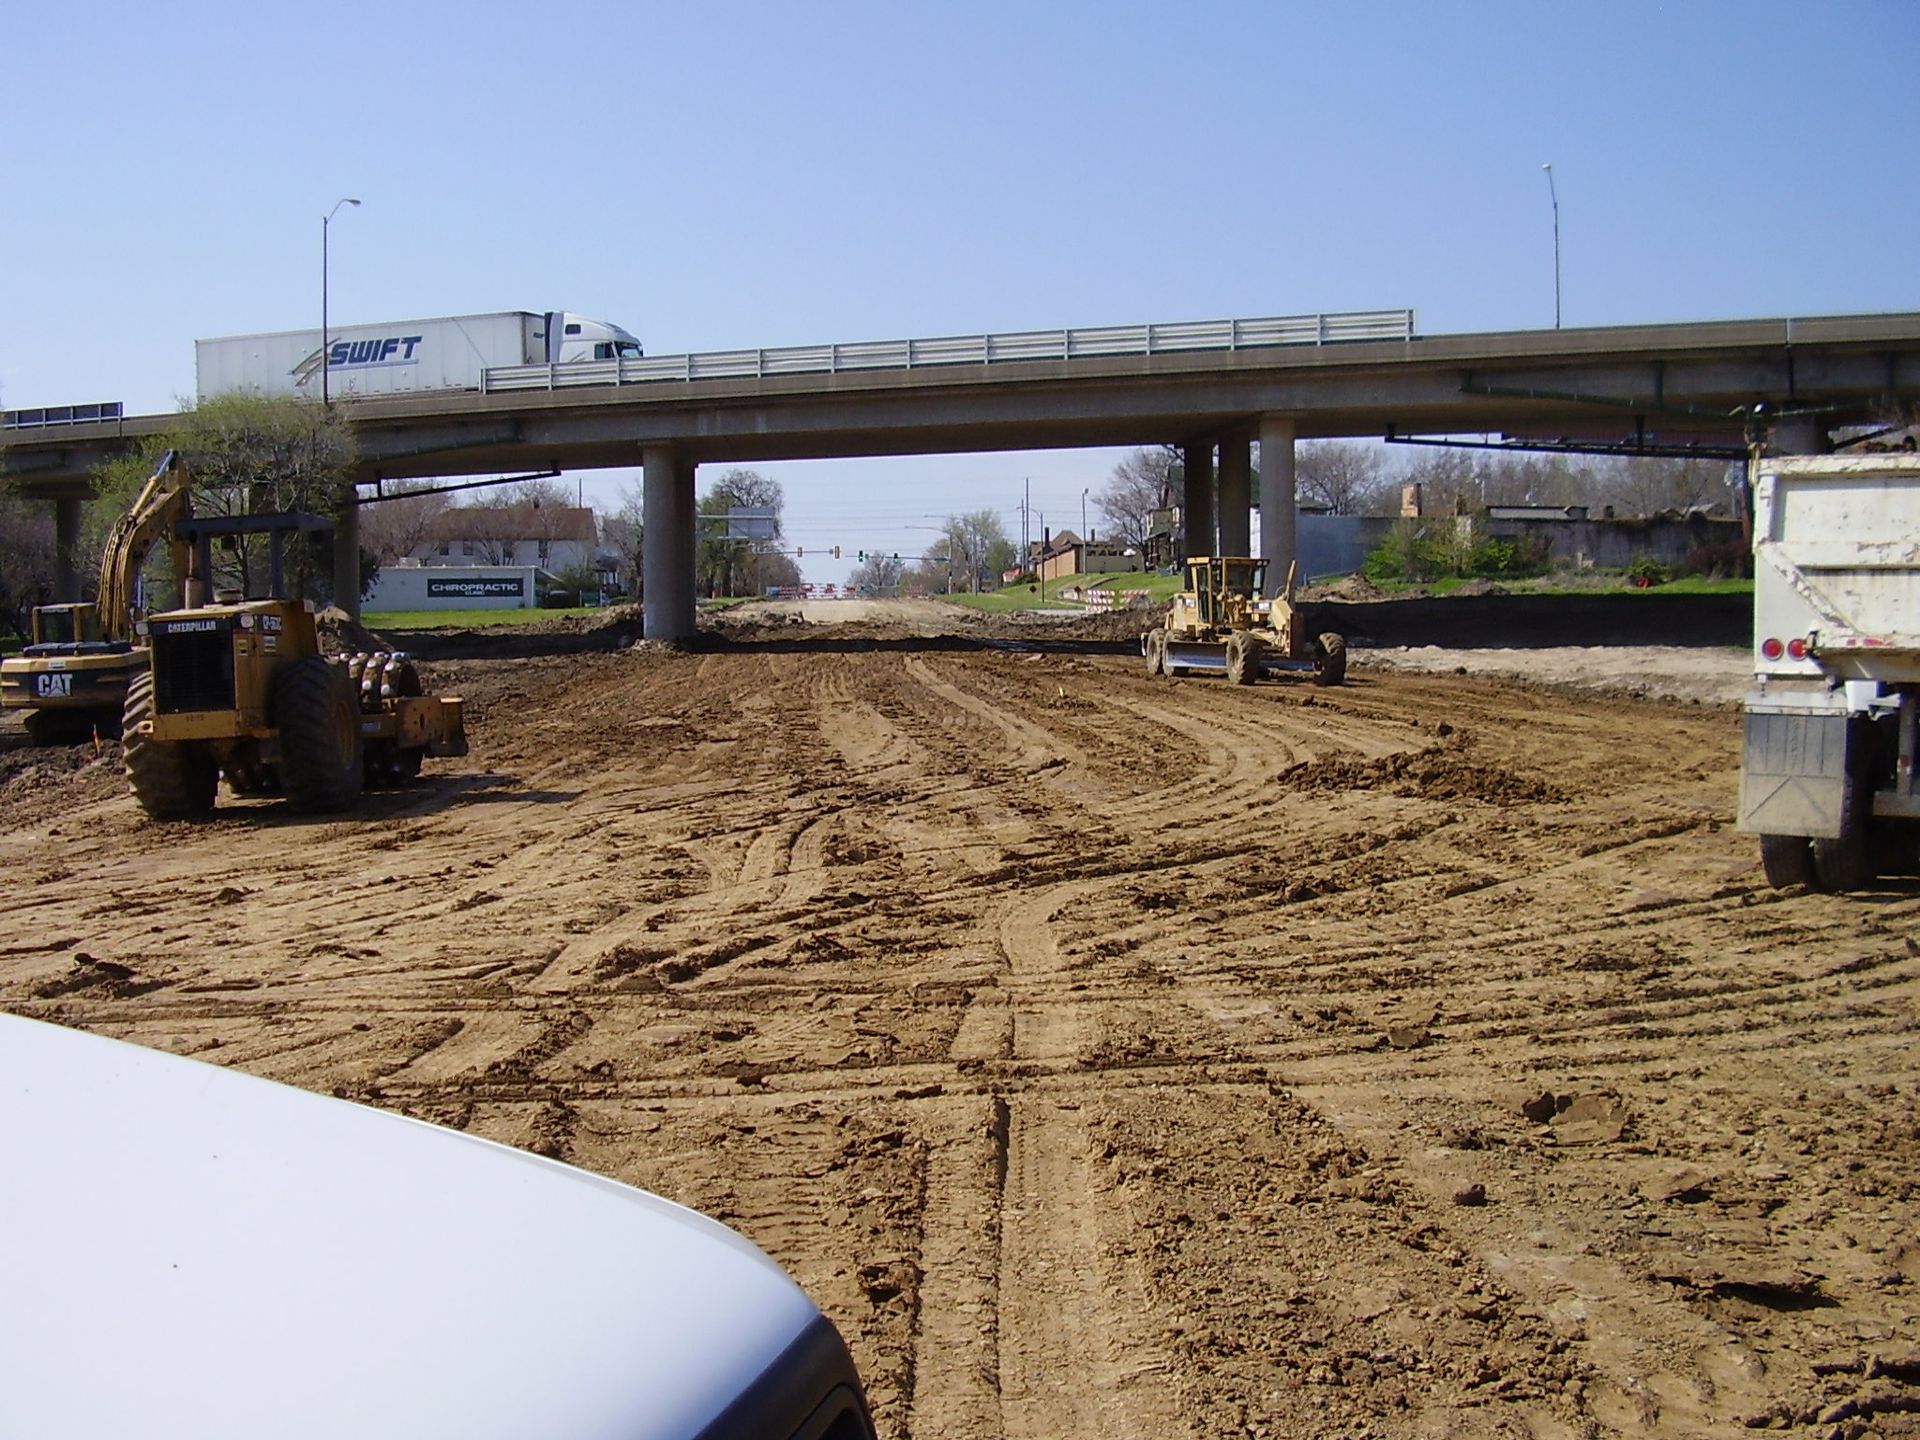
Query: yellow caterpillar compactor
{"x": 240, "y": 687}
{"x": 1222, "y": 623}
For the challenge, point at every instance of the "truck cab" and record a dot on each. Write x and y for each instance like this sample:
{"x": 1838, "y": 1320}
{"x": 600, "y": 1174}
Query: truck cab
{"x": 572, "y": 339}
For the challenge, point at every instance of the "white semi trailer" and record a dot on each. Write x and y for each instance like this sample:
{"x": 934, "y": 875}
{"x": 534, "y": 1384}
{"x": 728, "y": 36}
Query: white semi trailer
{"x": 1827, "y": 779}
{"x": 395, "y": 357}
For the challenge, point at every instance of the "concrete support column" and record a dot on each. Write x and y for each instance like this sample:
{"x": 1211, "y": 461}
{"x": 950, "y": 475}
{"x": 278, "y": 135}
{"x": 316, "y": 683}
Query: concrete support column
{"x": 666, "y": 546}
{"x": 1801, "y": 435}
{"x": 1278, "y": 502}
{"x": 1196, "y": 505}
{"x": 66, "y": 549}
{"x": 346, "y": 554}
{"x": 1236, "y": 495}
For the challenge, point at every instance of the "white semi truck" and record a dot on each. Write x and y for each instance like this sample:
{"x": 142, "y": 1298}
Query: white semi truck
{"x": 449, "y": 353}
{"x": 1827, "y": 779}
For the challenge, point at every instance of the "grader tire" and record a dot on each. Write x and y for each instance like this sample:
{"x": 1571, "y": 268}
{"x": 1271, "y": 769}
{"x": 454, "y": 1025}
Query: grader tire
{"x": 1154, "y": 645}
{"x": 1330, "y": 659}
{"x": 318, "y": 715}
{"x": 171, "y": 782}
{"x": 1243, "y": 658}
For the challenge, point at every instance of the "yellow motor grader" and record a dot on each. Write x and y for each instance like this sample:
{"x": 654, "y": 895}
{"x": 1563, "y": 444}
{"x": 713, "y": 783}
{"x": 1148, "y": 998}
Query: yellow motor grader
{"x": 1222, "y": 623}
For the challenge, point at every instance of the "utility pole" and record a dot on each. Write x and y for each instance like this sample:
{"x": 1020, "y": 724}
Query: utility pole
{"x": 326, "y": 225}
{"x": 1555, "y": 194}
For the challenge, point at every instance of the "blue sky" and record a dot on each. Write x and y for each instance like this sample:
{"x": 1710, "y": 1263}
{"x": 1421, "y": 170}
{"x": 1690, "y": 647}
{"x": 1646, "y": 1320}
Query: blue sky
{"x": 721, "y": 174}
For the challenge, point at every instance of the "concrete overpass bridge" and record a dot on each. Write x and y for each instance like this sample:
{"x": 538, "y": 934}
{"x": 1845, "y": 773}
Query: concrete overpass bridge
{"x": 1212, "y": 388}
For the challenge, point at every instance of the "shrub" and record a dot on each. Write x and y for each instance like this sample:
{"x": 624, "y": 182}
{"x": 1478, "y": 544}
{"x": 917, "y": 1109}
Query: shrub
{"x": 1644, "y": 571}
{"x": 1723, "y": 560}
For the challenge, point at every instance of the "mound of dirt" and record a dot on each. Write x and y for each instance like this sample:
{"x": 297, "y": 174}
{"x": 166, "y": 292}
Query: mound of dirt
{"x": 341, "y": 634}
{"x": 37, "y": 782}
{"x": 1440, "y": 772}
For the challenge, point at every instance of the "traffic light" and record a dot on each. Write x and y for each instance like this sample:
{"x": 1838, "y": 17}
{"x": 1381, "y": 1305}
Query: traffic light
{"x": 836, "y": 552}
{"x": 799, "y": 550}
{"x": 860, "y": 555}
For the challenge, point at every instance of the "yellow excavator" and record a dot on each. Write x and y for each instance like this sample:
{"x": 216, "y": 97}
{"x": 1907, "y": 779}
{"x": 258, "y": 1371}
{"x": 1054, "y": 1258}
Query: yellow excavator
{"x": 72, "y": 678}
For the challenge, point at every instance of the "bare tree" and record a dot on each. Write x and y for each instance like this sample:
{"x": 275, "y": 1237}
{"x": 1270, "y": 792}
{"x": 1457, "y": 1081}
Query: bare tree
{"x": 1346, "y": 477}
{"x": 1641, "y": 485}
{"x": 1140, "y": 485}
{"x": 727, "y": 563}
{"x": 624, "y": 533}
{"x": 393, "y": 529}
{"x": 973, "y": 542}
{"x": 879, "y": 573}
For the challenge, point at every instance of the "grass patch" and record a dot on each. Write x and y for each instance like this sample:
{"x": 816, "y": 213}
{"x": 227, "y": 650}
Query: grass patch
{"x": 1124, "y": 584}
{"x": 1014, "y": 597}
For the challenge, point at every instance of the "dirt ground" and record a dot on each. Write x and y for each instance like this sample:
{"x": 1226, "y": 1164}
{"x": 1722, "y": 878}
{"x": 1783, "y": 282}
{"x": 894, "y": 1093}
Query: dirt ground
{"x": 1108, "y": 1056}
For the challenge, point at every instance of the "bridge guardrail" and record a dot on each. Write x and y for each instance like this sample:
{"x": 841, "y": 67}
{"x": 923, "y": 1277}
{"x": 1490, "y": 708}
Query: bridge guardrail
{"x": 1101, "y": 341}
{"x": 61, "y": 415}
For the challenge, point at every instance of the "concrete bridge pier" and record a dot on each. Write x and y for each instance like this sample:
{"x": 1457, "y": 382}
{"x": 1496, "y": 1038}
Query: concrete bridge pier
{"x": 66, "y": 547}
{"x": 666, "y": 548}
{"x": 1236, "y": 495}
{"x": 1278, "y": 500}
{"x": 346, "y": 553}
{"x": 1196, "y": 504}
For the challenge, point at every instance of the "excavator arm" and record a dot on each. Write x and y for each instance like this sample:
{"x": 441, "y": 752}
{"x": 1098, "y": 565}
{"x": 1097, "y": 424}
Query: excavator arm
{"x": 163, "y": 502}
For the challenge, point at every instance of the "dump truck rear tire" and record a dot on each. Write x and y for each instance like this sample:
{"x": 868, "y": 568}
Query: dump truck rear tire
{"x": 1787, "y": 859}
{"x": 1330, "y": 659}
{"x": 318, "y": 715}
{"x": 171, "y": 782}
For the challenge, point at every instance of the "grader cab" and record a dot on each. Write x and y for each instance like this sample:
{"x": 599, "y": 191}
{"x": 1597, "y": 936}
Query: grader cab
{"x": 1224, "y": 623}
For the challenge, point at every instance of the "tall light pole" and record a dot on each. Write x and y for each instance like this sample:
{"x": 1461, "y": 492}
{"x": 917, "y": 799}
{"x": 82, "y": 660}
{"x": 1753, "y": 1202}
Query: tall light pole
{"x": 1083, "y": 513}
{"x": 1555, "y": 194}
{"x": 326, "y": 224}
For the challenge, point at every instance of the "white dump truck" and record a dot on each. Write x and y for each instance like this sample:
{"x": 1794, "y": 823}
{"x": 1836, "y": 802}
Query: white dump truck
{"x": 395, "y": 357}
{"x": 1827, "y": 776}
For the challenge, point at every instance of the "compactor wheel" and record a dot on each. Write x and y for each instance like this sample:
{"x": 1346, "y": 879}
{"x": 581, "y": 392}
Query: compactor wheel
{"x": 171, "y": 782}
{"x": 1330, "y": 659}
{"x": 318, "y": 714}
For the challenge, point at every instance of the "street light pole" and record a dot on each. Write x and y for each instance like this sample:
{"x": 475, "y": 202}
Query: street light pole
{"x": 1555, "y": 194}
{"x": 326, "y": 224}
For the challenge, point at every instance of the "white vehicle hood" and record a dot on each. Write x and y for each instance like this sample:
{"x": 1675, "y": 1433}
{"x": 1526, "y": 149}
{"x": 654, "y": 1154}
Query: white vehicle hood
{"x": 190, "y": 1251}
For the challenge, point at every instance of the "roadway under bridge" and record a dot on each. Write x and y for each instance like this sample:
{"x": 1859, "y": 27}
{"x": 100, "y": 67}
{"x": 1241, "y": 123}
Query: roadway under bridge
{"x": 1211, "y": 388}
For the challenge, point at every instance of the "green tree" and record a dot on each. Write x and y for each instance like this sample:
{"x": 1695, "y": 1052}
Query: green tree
{"x": 248, "y": 454}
